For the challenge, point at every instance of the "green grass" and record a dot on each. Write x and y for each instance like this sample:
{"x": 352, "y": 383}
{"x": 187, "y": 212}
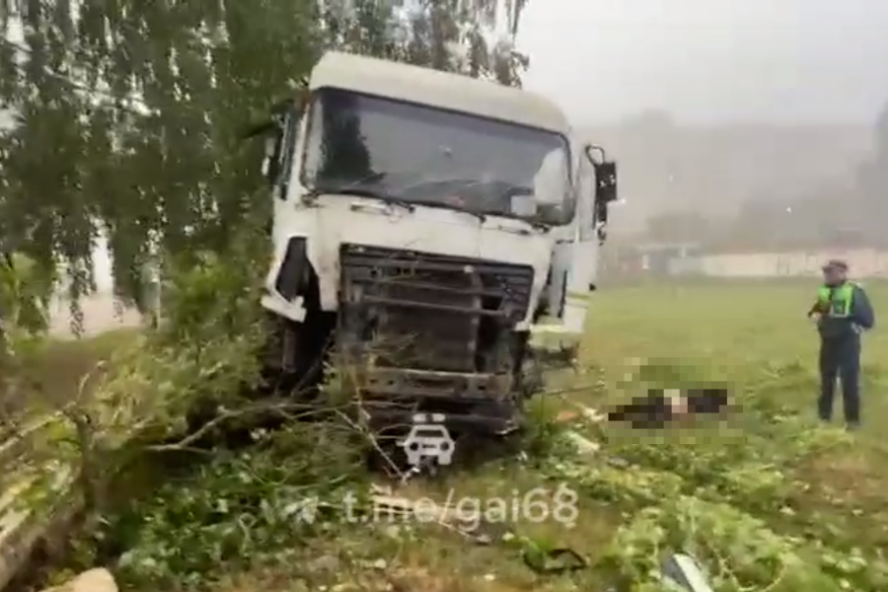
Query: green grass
{"x": 54, "y": 370}
{"x": 770, "y": 462}
{"x": 44, "y": 377}
{"x": 740, "y": 333}
{"x": 770, "y": 500}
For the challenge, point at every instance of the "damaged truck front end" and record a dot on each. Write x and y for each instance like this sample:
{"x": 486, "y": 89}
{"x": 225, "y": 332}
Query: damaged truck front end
{"x": 434, "y": 333}
{"x": 423, "y": 223}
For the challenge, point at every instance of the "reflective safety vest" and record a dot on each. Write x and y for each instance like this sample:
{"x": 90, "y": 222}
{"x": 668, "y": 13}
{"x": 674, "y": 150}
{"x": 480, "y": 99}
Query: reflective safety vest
{"x": 836, "y": 301}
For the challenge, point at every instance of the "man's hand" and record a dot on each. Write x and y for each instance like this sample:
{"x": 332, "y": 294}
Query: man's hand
{"x": 817, "y": 311}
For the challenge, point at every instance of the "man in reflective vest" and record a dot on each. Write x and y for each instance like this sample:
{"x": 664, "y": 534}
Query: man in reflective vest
{"x": 842, "y": 312}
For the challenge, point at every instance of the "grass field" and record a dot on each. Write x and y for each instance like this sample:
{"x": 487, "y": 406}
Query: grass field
{"x": 767, "y": 498}
{"x": 742, "y": 334}
{"x": 764, "y": 463}
{"x": 54, "y": 372}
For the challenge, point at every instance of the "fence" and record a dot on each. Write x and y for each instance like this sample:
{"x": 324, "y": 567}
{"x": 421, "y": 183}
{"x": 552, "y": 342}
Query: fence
{"x": 863, "y": 263}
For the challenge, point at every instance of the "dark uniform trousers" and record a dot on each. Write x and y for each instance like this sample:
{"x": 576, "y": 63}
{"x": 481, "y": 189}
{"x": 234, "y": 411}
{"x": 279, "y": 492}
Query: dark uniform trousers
{"x": 840, "y": 359}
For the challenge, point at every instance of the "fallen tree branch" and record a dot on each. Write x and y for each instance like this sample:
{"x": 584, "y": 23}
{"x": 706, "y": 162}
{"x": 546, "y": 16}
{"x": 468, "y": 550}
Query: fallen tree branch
{"x": 226, "y": 415}
{"x": 374, "y": 443}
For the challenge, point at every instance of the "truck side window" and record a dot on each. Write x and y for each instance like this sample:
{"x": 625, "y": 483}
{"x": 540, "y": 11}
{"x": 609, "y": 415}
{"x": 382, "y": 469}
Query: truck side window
{"x": 282, "y": 161}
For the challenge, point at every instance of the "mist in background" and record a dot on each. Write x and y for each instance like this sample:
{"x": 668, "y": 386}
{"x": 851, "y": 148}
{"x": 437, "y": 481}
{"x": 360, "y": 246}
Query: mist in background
{"x": 746, "y": 124}
{"x": 710, "y": 61}
{"x": 753, "y": 121}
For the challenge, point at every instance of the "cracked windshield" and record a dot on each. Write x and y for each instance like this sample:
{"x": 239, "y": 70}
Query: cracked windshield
{"x": 425, "y": 156}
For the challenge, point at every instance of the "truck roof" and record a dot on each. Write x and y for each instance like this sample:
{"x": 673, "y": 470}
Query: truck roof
{"x": 446, "y": 90}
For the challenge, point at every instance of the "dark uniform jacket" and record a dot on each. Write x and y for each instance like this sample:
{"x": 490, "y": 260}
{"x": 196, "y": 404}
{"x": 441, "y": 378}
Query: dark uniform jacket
{"x": 860, "y": 317}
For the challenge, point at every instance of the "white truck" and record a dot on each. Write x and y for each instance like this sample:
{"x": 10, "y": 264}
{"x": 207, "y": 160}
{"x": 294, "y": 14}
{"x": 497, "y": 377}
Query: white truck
{"x": 424, "y": 224}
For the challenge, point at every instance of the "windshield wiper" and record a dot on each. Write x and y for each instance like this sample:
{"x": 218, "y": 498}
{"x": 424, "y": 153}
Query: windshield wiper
{"x": 368, "y": 192}
{"x": 445, "y": 204}
{"x": 480, "y": 215}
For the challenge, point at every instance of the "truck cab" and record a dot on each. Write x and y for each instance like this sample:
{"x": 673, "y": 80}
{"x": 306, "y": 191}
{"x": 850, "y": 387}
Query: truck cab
{"x": 423, "y": 223}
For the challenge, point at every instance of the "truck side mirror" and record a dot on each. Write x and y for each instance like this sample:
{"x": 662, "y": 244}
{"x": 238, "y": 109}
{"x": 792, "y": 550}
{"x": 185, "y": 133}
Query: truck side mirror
{"x": 279, "y": 130}
{"x": 605, "y": 187}
{"x": 605, "y": 181}
{"x": 605, "y": 174}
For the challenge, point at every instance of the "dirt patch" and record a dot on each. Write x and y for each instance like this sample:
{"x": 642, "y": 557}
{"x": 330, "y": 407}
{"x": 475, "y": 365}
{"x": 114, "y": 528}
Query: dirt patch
{"x": 848, "y": 477}
{"x": 101, "y": 313}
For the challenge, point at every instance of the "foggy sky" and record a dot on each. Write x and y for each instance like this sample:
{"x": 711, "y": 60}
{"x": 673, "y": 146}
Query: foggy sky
{"x": 782, "y": 61}
{"x": 787, "y": 61}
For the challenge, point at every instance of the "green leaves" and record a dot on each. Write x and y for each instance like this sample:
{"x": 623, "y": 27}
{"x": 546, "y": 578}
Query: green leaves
{"x": 127, "y": 113}
{"x": 24, "y": 293}
{"x": 124, "y": 120}
{"x": 237, "y": 510}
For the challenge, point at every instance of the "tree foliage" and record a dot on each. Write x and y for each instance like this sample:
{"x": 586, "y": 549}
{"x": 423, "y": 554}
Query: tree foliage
{"x": 125, "y": 116}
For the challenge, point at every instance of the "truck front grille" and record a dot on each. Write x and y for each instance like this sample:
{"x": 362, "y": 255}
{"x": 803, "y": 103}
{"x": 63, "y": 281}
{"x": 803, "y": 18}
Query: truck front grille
{"x": 430, "y": 311}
